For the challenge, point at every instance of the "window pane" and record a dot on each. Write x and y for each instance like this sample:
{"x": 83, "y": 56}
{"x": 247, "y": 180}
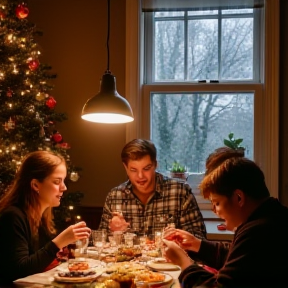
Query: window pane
{"x": 237, "y": 49}
{"x": 188, "y": 127}
{"x": 169, "y": 50}
{"x": 203, "y": 49}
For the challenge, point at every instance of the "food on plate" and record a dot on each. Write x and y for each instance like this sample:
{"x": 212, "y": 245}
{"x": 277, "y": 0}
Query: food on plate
{"x": 77, "y": 265}
{"x": 127, "y": 254}
{"x": 124, "y": 279}
{"x": 108, "y": 258}
{"x": 150, "y": 276}
{"x": 109, "y": 283}
{"x": 153, "y": 253}
{"x": 124, "y": 267}
{"x": 77, "y": 268}
{"x": 76, "y": 273}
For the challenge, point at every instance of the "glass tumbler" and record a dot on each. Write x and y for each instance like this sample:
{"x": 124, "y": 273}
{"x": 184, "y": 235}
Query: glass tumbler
{"x": 98, "y": 240}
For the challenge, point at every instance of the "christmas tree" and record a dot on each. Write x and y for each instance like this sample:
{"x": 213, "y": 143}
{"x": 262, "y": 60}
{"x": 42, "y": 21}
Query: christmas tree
{"x": 27, "y": 109}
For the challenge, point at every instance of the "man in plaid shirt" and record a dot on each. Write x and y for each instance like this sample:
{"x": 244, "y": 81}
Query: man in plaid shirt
{"x": 149, "y": 201}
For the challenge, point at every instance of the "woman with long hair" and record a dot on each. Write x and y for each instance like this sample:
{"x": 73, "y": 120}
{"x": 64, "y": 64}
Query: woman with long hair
{"x": 28, "y": 238}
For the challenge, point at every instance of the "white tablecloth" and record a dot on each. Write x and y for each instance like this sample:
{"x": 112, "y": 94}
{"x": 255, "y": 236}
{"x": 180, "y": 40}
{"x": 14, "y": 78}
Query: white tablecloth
{"x": 46, "y": 278}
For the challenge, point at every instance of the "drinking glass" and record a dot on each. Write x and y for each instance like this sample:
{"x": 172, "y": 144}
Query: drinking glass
{"x": 81, "y": 247}
{"x": 142, "y": 241}
{"x": 158, "y": 241}
{"x": 128, "y": 239}
{"x": 98, "y": 240}
{"x": 118, "y": 236}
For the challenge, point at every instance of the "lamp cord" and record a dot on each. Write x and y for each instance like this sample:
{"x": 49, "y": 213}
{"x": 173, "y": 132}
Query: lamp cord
{"x": 108, "y": 37}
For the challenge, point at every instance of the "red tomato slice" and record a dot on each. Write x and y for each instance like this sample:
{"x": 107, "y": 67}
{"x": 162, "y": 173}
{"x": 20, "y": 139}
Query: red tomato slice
{"x": 221, "y": 227}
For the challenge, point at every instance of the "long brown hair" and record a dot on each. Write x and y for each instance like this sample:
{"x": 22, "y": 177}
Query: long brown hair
{"x": 36, "y": 165}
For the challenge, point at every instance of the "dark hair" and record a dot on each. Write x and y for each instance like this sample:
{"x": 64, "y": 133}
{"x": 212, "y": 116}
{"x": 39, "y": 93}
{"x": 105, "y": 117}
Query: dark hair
{"x": 137, "y": 149}
{"x": 219, "y": 155}
{"x": 36, "y": 165}
{"x": 235, "y": 173}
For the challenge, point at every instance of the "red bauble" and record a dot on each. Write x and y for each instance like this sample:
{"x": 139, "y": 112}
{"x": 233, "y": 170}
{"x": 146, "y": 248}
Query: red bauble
{"x": 51, "y": 102}
{"x": 2, "y": 15}
{"x": 22, "y": 11}
{"x": 9, "y": 93}
{"x": 57, "y": 137}
{"x": 33, "y": 64}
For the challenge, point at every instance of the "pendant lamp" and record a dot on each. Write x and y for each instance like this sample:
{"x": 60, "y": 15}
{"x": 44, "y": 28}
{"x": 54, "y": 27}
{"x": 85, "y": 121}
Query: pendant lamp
{"x": 108, "y": 106}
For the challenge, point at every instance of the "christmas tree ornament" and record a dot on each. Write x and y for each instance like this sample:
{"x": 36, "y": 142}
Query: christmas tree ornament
{"x": 31, "y": 108}
{"x": 57, "y": 137}
{"x": 2, "y": 15}
{"x": 9, "y": 38}
{"x": 9, "y": 125}
{"x": 41, "y": 132}
{"x": 9, "y": 93}
{"x": 51, "y": 102}
{"x": 40, "y": 96}
{"x": 22, "y": 11}
{"x": 74, "y": 176}
{"x": 33, "y": 64}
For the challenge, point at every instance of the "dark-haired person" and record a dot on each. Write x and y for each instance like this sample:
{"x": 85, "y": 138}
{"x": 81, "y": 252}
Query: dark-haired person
{"x": 28, "y": 238}
{"x": 149, "y": 200}
{"x": 258, "y": 256}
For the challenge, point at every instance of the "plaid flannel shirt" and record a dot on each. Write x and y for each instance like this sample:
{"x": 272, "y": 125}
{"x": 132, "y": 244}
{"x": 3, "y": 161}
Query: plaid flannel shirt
{"x": 173, "y": 199}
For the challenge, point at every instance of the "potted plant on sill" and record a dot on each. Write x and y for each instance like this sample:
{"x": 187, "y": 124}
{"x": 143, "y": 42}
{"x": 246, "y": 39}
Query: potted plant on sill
{"x": 233, "y": 143}
{"x": 178, "y": 171}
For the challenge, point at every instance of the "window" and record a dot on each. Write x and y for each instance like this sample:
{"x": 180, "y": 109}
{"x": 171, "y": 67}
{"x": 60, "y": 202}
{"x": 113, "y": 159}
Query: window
{"x": 203, "y": 78}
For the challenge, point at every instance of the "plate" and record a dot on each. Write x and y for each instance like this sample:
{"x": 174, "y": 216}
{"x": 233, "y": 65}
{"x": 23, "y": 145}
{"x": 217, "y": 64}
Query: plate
{"x": 162, "y": 266}
{"x": 77, "y": 279}
{"x": 168, "y": 279}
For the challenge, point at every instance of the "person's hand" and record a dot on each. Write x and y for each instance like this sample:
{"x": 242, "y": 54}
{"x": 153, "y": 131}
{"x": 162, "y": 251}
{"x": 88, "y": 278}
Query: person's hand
{"x": 118, "y": 223}
{"x": 72, "y": 234}
{"x": 175, "y": 254}
{"x": 184, "y": 239}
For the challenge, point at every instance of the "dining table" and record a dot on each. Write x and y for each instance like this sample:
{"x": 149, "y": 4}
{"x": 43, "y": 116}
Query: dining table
{"x": 47, "y": 279}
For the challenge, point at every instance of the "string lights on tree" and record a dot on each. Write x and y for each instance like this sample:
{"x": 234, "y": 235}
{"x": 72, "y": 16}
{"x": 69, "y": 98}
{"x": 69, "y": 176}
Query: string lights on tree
{"x": 28, "y": 114}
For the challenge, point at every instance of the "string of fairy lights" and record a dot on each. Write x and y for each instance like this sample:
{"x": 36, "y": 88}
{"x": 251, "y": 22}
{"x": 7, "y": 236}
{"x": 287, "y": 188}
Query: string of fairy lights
{"x": 27, "y": 109}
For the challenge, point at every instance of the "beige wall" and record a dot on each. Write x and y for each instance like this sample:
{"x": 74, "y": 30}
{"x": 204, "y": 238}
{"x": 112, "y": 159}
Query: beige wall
{"x": 74, "y": 44}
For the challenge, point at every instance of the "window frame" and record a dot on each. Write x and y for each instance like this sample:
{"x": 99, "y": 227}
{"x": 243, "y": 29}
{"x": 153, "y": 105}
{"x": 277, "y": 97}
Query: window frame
{"x": 266, "y": 111}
